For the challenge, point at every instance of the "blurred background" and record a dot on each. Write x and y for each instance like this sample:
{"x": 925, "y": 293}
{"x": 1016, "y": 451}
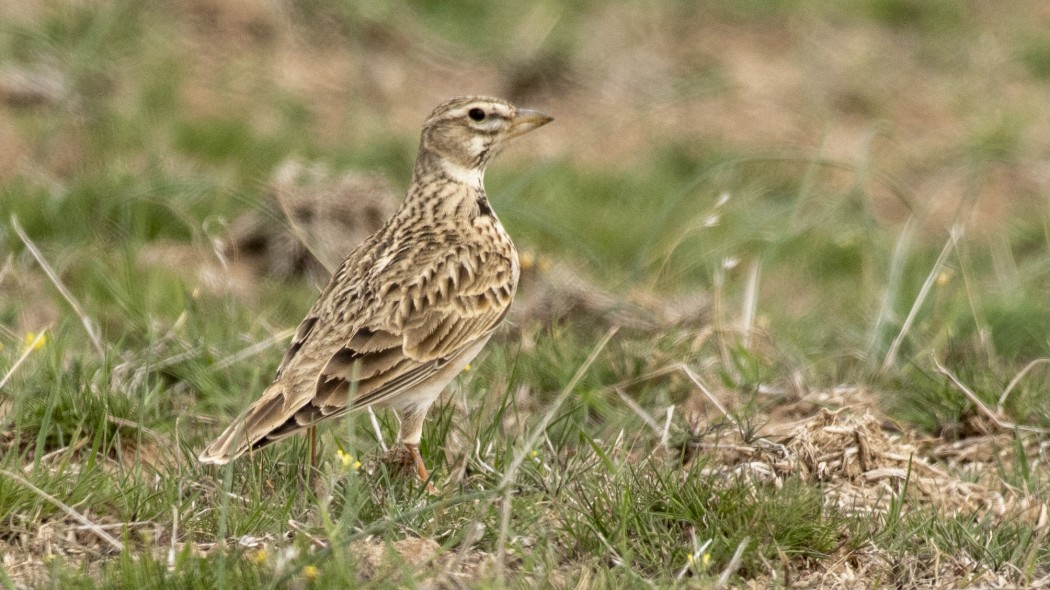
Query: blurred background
{"x": 787, "y": 172}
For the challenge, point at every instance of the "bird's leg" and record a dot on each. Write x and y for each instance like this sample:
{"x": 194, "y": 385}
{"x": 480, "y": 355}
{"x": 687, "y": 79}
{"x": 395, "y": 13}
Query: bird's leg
{"x": 409, "y": 434}
{"x": 417, "y": 459}
{"x": 313, "y": 456}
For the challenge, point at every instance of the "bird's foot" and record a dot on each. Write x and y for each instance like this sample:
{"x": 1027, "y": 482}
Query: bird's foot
{"x": 407, "y": 457}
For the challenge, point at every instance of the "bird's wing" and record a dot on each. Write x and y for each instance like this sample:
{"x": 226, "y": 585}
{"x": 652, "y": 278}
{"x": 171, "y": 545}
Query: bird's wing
{"x": 420, "y": 328}
{"x": 321, "y": 310}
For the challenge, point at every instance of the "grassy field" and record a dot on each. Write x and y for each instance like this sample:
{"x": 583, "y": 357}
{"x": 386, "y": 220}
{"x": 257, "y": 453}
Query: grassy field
{"x": 784, "y": 321}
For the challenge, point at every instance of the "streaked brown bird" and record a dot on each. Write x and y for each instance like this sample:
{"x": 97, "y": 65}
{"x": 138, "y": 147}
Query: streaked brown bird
{"x": 410, "y": 306}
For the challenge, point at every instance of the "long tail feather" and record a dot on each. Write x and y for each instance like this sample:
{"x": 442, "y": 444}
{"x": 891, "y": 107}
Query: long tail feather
{"x": 257, "y": 427}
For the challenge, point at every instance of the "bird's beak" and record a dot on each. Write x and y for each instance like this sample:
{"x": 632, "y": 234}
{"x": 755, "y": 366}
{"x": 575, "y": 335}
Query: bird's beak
{"x": 526, "y": 120}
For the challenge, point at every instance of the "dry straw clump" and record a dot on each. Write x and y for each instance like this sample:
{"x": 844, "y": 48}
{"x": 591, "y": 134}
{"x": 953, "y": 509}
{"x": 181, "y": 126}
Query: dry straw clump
{"x": 865, "y": 465}
{"x": 869, "y": 469}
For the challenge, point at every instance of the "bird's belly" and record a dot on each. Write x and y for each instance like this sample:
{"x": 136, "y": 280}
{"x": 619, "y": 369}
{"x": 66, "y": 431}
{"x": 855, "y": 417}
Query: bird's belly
{"x": 421, "y": 397}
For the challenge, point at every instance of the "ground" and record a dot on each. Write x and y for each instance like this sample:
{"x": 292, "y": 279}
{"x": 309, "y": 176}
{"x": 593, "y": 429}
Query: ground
{"x": 783, "y": 319}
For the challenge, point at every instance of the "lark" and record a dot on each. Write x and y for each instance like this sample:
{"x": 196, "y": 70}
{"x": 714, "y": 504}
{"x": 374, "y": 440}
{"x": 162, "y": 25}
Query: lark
{"x": 412, "y": 305}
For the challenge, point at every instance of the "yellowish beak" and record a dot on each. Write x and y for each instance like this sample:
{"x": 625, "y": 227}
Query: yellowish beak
{"x": 526, "y": 120}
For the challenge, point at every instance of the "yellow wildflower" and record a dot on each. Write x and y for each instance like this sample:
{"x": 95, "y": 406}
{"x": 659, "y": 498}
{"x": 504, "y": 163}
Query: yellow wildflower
{"x": 311, "y": 572}
{"x": 704, "y": 561}
{"x": 37, "y": 341}
{"x": 348, "y": 460}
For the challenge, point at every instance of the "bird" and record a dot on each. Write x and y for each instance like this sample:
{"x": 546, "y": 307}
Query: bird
{"x": 412, "y": 305}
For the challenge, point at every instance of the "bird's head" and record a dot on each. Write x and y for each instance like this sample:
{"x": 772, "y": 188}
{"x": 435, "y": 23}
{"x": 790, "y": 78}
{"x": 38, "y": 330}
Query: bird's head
{"x": 467, "y": 132}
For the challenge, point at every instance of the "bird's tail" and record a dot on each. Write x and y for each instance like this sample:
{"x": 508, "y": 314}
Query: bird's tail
{"x": 264, "y": 422}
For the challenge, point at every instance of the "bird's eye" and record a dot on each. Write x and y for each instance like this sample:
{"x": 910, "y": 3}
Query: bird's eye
{"x": 476, "y": 114}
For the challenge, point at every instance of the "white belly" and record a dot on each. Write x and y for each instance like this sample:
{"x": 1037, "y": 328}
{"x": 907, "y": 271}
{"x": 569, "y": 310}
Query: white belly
{"x": 420, "y": 398}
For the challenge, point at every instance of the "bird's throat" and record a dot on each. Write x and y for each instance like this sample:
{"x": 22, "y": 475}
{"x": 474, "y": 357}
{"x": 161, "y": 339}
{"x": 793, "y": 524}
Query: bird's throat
{"x": 473, "y": 177}
{"x": 443, "y": 188}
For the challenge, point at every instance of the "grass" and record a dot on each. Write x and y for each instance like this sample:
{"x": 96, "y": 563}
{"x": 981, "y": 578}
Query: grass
{"x": 562, "y": 459}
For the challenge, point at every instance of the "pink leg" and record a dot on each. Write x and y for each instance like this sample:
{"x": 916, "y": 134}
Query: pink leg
{"x": 421, "y": 469}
